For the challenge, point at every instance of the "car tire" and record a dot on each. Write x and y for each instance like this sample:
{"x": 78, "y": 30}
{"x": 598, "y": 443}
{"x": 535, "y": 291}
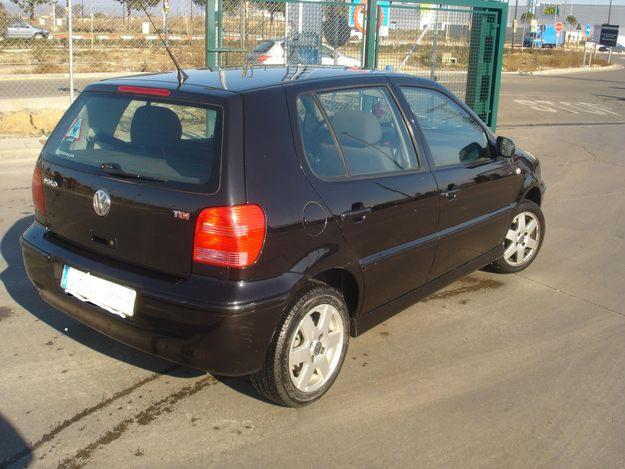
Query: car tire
{"x": 308, "y": 349}
{"x": 523, "y": 241}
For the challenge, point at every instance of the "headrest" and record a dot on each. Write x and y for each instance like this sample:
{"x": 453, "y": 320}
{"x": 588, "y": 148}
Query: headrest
{"x": 360, "y": 124}
{"x": 155, "y": 126}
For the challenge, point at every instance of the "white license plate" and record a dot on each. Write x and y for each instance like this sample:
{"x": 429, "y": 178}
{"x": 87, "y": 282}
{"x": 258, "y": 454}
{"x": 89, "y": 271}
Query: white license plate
{"x": 110, "y": 296}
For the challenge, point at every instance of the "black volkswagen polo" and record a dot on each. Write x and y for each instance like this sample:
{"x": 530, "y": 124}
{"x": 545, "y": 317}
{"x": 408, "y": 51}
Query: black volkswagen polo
{"x": 248, "y": 222}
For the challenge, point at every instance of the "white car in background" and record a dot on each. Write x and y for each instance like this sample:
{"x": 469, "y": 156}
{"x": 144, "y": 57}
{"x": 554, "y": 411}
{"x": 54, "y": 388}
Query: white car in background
{"x": 271, "y": 52}
{"x": 19, "y": 29}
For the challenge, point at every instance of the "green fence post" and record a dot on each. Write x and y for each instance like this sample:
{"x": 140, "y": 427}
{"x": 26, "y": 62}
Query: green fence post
{"x": 503, "y": 21}
{"x": 370, "y": 38}
{"x": 209, "y": 34}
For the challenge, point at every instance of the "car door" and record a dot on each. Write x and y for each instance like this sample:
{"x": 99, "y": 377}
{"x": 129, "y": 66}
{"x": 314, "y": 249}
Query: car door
{"x": 25, "y": 30}
{"x": 361, "y": 159}
{"x": 477, "y": 188}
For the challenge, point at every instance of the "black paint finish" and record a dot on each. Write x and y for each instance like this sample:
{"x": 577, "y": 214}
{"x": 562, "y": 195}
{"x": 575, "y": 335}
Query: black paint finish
{"x": 385, "y": 240}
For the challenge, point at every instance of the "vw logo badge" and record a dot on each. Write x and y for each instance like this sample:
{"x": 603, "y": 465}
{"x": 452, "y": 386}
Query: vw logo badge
{"x": 101, "y": 202}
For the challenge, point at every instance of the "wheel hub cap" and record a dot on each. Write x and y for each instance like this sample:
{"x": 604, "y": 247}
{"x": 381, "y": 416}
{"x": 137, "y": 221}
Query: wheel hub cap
{"x": 316, "y": 348}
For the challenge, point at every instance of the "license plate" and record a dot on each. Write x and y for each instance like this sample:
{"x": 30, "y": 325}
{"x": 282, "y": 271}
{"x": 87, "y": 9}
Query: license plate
{"x": 110, "y": 296}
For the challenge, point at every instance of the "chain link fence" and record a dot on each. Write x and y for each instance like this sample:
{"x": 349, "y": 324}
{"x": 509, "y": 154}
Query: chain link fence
{"x": 287, "y": 32}
{"x": 448, "y": 42}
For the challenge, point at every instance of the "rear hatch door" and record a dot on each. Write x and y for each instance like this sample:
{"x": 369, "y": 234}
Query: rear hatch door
{"x": 125, "y": 176}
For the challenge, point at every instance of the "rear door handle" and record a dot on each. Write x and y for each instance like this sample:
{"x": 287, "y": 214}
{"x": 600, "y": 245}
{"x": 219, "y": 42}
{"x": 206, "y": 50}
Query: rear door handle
{"x": 451, "y": 194}
{"x": 358, "y": 215}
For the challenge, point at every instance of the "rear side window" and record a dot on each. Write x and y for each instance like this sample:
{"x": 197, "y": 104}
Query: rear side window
{"x": 159, "y": 140}
{"x": 321, "y": 152}
{"x": 370, "y": 130}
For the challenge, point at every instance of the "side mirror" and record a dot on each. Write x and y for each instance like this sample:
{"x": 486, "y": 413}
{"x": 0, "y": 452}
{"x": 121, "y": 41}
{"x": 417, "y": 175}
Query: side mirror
{"x": 505, "y": 147}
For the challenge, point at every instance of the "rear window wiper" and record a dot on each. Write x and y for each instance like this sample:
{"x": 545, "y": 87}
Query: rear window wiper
{"x": 114, "y": 169}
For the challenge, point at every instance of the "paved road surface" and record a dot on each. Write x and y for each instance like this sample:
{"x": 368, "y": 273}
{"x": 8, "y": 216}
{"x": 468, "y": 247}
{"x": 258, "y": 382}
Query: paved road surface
{"x": 495, "y": 371}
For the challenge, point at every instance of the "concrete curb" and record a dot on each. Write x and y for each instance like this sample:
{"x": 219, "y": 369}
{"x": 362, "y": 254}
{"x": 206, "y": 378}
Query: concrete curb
{"x": 566, "y": 71}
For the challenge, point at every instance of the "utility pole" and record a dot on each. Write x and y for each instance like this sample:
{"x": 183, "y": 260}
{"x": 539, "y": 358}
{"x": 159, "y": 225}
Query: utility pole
{"x": 70, "y": 31}
{"x": 609, "y": 11}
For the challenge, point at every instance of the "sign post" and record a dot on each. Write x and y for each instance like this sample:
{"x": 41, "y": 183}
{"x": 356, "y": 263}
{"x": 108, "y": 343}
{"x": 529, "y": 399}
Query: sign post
{"x": 559, "y": 26}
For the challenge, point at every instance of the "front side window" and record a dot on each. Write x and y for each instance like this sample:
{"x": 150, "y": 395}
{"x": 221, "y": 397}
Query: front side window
{"x": 370, "y": 131}
{"x": 157, "y": 140}
{"x": 452, "y": 135}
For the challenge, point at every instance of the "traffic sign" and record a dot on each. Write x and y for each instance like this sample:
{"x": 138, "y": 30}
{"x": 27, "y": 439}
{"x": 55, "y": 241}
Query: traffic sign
{"x": 587, "y": 30}
{"x": 559, "y": 26}
{"x": 609, "y": 35}
{"x": 357, "y": 16}
{"x": 558, "y": 34}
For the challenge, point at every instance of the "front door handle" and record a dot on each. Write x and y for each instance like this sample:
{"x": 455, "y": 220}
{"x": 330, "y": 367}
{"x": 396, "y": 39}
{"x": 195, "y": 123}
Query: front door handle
{"x": 357, "y": 215}
{"x": 451, "y": 194}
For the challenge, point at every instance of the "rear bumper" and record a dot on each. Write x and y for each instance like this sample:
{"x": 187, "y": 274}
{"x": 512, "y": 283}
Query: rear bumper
{"x": 220, "y": 326}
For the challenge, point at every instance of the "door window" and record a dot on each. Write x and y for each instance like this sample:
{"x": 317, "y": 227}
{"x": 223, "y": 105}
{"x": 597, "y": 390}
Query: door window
{"x": 452, "y": 134}
{"x": 370, "y": 131}
{"x": 321, "y": 151}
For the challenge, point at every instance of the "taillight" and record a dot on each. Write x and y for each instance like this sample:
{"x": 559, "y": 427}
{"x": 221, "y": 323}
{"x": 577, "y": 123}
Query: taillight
{"x": 229, "y": 236}
{"x": 262, "y": 59}
{"x": 38, "y": 197}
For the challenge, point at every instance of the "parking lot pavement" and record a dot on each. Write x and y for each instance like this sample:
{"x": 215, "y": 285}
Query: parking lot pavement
{"x": 516, "y": 370}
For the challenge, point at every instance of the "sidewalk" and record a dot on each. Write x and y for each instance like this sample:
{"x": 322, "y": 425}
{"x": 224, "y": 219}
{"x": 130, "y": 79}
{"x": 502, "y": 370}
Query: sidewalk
{"x": 20, "y": 104}
{"x": 16, "y": 148}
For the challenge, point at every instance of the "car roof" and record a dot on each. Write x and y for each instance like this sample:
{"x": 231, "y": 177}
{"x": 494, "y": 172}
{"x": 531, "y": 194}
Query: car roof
{"x": 240, "y": 80}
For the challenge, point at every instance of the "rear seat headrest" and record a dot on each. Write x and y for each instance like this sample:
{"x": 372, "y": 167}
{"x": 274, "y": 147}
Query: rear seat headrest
{"x": 155, "y": 126}
{"x": 360, "y": 124}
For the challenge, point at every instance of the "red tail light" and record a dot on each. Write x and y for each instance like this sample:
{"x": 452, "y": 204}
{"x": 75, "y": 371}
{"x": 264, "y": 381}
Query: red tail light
{"x": 38, "y": 197}
{"x": 261, "y": 59}
{"x": 229, "y": 236}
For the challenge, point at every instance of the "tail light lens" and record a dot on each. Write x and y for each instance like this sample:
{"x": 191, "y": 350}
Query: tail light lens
{"x": 229, "y": 236}
{"x": 38, "y": 197}
{"x": 262, "y": 59}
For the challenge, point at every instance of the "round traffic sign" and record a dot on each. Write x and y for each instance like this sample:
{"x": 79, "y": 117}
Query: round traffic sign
{"x": 558, "y": 34}
{"x": 559, "y": 26}
{"x": 359, "y": 17}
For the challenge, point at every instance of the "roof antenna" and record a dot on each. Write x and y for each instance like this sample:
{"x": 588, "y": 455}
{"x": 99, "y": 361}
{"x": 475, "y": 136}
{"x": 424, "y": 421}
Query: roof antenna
{"x": 182, "y": 77}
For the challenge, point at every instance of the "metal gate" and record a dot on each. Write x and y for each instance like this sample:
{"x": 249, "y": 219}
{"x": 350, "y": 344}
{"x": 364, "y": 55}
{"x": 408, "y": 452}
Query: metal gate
{"x": 458, "y": 43}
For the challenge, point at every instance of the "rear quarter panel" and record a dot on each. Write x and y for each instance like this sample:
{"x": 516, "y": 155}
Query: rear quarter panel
{"x": 276, "y": 182}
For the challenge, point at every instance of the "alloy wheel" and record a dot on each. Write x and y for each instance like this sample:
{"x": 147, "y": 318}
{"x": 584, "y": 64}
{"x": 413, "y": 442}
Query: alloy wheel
{"x": 522, "y": 239}
{"x": 316, "y": 347}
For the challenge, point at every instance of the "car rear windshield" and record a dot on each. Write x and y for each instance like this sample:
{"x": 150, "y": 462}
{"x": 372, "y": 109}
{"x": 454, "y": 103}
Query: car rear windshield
{"x": 140, "y": 138}
{"x": 264, "y": 46}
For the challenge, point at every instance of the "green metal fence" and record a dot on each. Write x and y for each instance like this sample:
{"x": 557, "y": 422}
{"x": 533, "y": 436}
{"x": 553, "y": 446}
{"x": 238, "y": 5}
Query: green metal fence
{"x": 458, "y": 43}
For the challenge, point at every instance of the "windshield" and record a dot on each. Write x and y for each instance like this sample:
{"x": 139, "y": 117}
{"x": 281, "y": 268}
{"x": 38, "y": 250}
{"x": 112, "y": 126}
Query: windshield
{"x": 141, "y": 138}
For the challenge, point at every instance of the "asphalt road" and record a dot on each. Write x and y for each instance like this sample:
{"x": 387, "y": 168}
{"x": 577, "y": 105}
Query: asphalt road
{"x": 39, "y": 88}
{"x": 520, "y": 370}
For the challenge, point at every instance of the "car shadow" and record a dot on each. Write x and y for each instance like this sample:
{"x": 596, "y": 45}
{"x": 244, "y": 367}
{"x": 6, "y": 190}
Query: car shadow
{"x": 13, "y": 447}
{"x": 243, "y": 386}
{"x": 617, "y": 98}
{"x": 24, "y": 294}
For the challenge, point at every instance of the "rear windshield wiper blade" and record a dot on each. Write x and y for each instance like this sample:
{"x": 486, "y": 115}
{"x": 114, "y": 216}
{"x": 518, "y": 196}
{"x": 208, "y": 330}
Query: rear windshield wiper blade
{"x": 115, "y": 170}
